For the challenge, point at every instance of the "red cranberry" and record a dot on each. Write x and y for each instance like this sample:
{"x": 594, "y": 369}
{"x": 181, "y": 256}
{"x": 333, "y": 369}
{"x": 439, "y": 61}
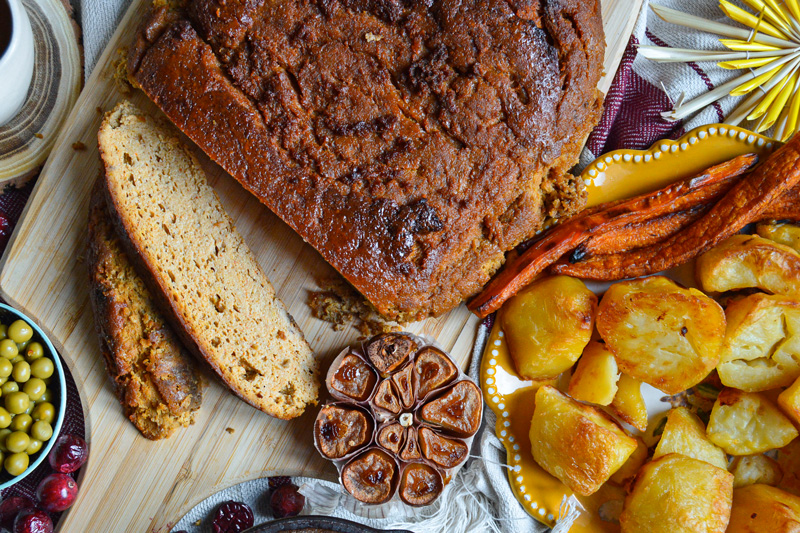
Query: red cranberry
{"x": 56, "y": 492}
{"x": 68, "y": 454}
{"x": 233, "y": 517}
{"x": 286, "y": 501}
{"x": 10, "y": 507}
{"x": 33, "y": 521}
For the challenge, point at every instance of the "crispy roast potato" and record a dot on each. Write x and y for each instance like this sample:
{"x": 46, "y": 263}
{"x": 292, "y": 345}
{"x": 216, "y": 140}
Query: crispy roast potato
{"x": 678, "y": 494}
{"x": 548, "y": 324}
{"x": 661, "y": 333}
{"x": 789, "y": 461}
{"x": 746, "y": 423}
{"x": 764, "y": 509}
{"x": 789, "y": 401}
{"x": 782, "y": 233}
{"x": 628, "y": 403}
{"x": 750, "y": 261}
{"x": 595, "y": 377}
{"x": 752, "y": 469}
{"x": 631, "y": 467}
{"x": 684, "y": 433}
{"x": 761, "y": 350}
{"x": 578, "y": 444}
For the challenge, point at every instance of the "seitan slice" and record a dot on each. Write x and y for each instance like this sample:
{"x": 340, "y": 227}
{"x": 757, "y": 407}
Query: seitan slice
{"x": 186, "y": 244}
{"x": 154, "y": 377}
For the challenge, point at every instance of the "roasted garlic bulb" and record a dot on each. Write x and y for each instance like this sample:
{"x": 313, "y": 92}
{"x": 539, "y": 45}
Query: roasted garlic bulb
{"x": 403, "y": 417}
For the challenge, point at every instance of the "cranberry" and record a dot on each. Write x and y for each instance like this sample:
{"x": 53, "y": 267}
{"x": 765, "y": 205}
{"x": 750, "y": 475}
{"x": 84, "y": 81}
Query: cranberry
{"x": 233, "y": 517}
{"x": 10, "y": 507}
{"x": 33, "y": 521}
{"x": 68, "y": 454}
{"x": 286, "y": 501}
{"x": 56, "y": 492}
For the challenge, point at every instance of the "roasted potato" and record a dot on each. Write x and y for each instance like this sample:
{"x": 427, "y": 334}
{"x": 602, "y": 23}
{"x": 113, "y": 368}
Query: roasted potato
{"x": 631, "y": 467}
{"x": 578, "y": 444}
{"x": 548, "y": 324}
{"x": 661, "y": 333}
{"x": 787, "y": 234}
{"x": 789, "y": 401}
{"x": 595, "y": 377}
{"x": 628, "y": 403}
{"x": 750, "y": 261}
{"x": 746, "y": 423}
{"x": 678, "y": 494}
{"x": 752, "y": 469}
{"x": 761, "y": 350}
{"x": 789, "y": 460}
{"x": 764, "y": 509}
{"x": 685, "y": 434}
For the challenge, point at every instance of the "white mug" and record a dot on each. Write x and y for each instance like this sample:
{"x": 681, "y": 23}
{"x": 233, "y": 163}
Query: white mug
{"x": 16, "y": 61}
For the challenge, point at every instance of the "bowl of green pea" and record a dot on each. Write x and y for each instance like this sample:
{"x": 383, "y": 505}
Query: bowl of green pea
{"x": 32, "y": 396}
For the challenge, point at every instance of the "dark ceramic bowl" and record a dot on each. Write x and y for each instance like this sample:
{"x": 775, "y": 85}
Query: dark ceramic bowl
{"x": 326, "y": 523}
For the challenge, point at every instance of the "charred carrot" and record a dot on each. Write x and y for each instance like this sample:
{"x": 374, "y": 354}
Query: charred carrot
{"x": 560, "y": 239}
{"x": 632, "y": 236}
{"x": 787, "y": 207}
{"x": 746, "y": 202}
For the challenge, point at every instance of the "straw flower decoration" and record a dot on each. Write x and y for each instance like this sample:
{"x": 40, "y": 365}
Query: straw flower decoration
{"x": 767, "y": 51}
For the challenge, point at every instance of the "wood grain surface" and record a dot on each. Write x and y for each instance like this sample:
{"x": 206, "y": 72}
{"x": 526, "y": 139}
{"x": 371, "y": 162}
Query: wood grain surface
{"x": 130, "y": 483}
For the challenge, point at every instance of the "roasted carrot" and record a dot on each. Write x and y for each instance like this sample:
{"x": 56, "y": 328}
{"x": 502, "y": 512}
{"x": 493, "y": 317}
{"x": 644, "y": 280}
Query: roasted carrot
{"x": 787, "y": 207}
{"x": 564, "y": 237}
{"x": 632, "y": 236}
{"x": 746, "y": 202}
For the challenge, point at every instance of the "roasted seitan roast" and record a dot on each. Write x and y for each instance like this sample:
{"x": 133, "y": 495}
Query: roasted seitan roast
{"x": 412, "y": 143}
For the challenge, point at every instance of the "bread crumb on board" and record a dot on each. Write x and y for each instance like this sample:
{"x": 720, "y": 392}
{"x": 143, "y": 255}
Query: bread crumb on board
{"x": 341, "y": 304}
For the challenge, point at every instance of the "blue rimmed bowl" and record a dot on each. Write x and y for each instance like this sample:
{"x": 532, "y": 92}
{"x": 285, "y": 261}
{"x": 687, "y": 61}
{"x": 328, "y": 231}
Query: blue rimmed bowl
{"x": 57, "y": 384}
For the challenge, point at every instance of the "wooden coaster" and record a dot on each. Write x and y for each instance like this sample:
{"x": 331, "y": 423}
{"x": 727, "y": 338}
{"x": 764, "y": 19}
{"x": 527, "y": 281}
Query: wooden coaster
{"x": 26, "y": 140}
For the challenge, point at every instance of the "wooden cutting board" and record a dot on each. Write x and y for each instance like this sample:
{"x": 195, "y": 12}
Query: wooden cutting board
{"x": 130, "y": 483}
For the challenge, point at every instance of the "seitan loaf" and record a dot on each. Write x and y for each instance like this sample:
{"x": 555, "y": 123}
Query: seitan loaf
{"x": 183, "y": 240}
{"x": 411, "y": 142}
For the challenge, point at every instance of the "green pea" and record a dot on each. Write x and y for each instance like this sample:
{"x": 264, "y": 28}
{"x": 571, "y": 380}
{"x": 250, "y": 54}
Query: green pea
{"x": 8, "y": 349}
{"x": 17, "y": 402}
{"x": 29, "y": 410}
{"x": 20, "y": 331}
{"x": 34, "y": 447}
{"x": 5, "y": 418}
{"x": 17, "y": 359}
{"x": 47, "y": 396}
{"x": 8, "y": 387}
{"x": 44, "y": 411}
{"x": 21, "y": 422}
{"x": 3, "y": 331}
{"x": 21, "y": 372}
{"x": 34, "y": 388}
{"x": 17, "y": 441}
{"x": 22, "y": 347}
{"x": 5, "y": 367}
{"x": 42, "y": 368}
{"x": 16, "y": 463}
{"x": 3, "y": 434}
{"x": 41, "y": 430}
{"x": 34, "y": 351}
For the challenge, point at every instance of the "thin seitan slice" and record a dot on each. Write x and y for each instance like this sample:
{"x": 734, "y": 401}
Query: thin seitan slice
{"x": 154, "y": 377}
{"x": 187, "y": 246}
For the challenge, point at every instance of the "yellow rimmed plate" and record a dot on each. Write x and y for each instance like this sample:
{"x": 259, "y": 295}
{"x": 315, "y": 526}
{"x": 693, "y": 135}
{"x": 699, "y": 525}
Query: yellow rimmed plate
{"x": 618, "y": 174}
